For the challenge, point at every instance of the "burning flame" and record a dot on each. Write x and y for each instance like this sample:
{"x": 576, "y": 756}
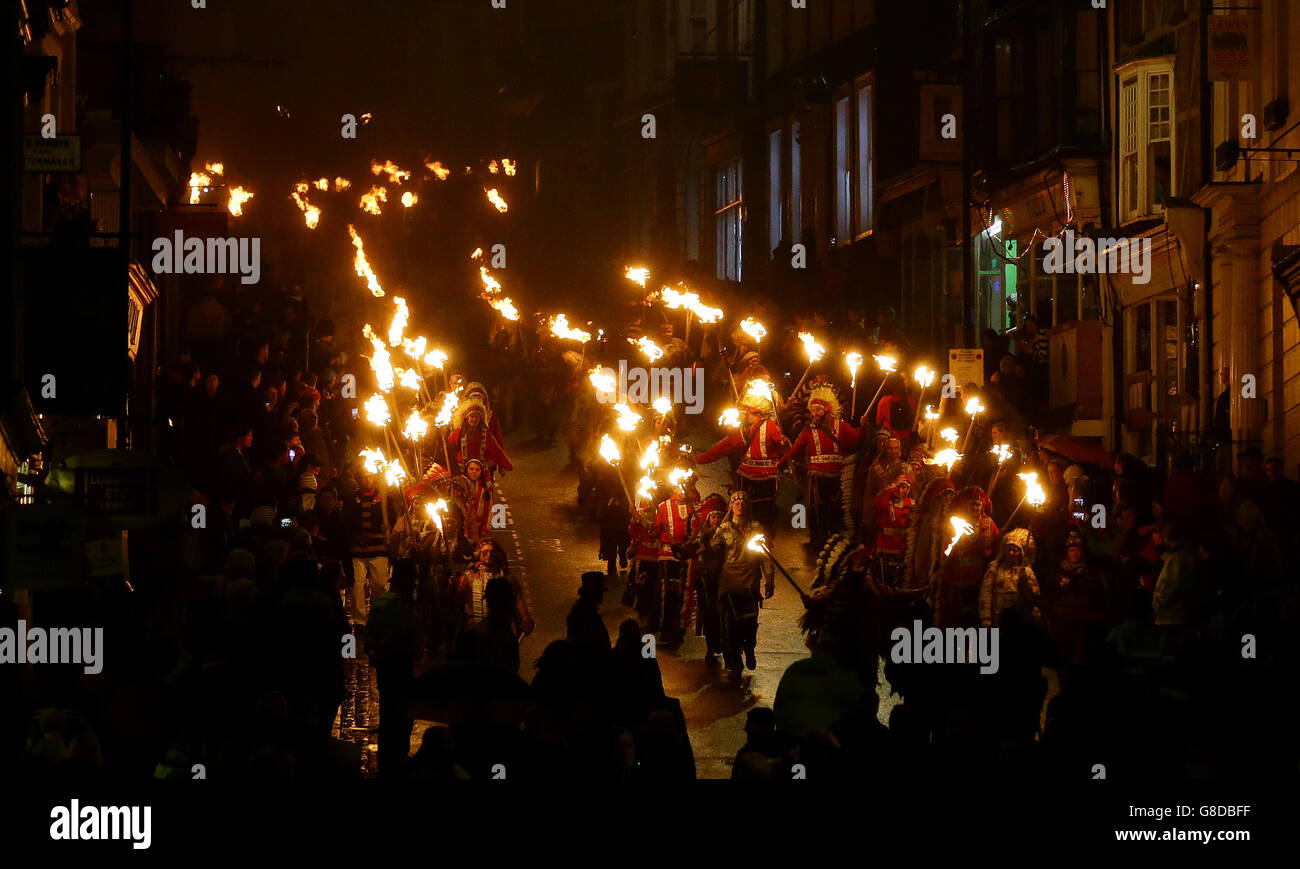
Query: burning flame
{"x": 560, "y": 329}
{"x": 949, "y": 434}
{"x": 924, "y": 376}
{"x": 509, "y": 166}
{"x": 663, "y": 405}
{"x": 322, "y": 184}
{"x": 437, "y": 169}
{"x": 377, "y": 410}
{"x": 506, "y": 308}
{"x": 416, "y": 427}
{"x": 398, "y": 325}
{"x": 372, "y": 460}
{"x": 757, "y": 543}
{"x": 436, "y": 358}
{"x": 341, "y": 183}
{"x": 730, "y": 418}
{"x": 493, "y": 167}
{"x": 301, "y": 187}
{"x": 366, "y": 118}
{"x": 495, "y": 198}
{"x": 1002, "y": 451}
{"x": 652, "y": 351}
{"x": 674, "y": 299}
{"x": 415, "y": 349}
{"x": 638, "y": 274}
{"x": 409, "y": 378}
{"x": 449, "y": 402}
{"x": 815, "y": 351}
{"x": 478, "y": 252}
{"x": 973, "y": 407}
{"x": 930, "y": 412}
{"x": 215, "y": 168}
{"x": 395, "y": 175}
{"x": 651, "y": 457}
{"x": 1034, "y": 493}
{"x": 238, "y": 196}
{"x": 363, "y": 266}
{"x": 381, "y": 364}
{"x": 960, "y": 528}
{"x": 760, "y": 389}
{"x": 435, "y": 509}
{"x": 854, "y": 361}
{"x": 310, "y": 212}
{"x": 394, "y": 474}
{"x": 679, "y": 476}
{"x": 198, "y": 182}
{"x": 603, "y": 380}
{"x": 753, "y": 328}
{"x": 409, "y": 199}
{"x": 946, "y": 458}
{"x": 645, "y": 488}
{"x": 888, "y": 364}
{"x": 627, "y": 417}
{"x": 370, "y": 201}
{"x": 609, "y": 450}
{"x": 490, "y": 284}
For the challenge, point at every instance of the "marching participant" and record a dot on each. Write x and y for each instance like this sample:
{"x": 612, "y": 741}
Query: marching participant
{"x": 964, "y": 567}
{"x": 760, "y": 444}
{"x": 471, "y": 437}
{"x": 738, "y": 584}
{"x": 674, "y": 524}
{"x": 893, "y": 506}
{"x": 474, "y": 497}
{"x": 826, "y": 439}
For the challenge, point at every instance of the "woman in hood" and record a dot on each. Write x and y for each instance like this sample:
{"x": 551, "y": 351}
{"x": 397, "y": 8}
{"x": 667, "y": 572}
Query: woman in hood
{"x": 1009, "y": 580}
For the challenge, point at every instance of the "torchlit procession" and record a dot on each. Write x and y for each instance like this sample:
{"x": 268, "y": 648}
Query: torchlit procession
{"x": 657, "y": 391}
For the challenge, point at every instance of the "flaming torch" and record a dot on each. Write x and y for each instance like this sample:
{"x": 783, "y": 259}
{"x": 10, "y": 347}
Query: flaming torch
{"x": 627, "y": 417}
{"x": 974, "y": 409}
{"x": 887, "y": 365}
{"x": 1003, "y": 452}
{"x": 363, "y": 266}
{"x": 1034, "y": 494}
{"x": 753, "y": 329}
{"x": 436, "y": 509}
{"x": 638, "y": 275}
{"x": 609, "y": 452}
{"x": 438, "y": 169}
{"x": 652, "y": 351}
{"x": 560, "y": 329}
{"x": 730, "y": 418}
{"x": 815, "y": 352}
{"x": 238, "y": 196}
{"x": 603, "y": 380}
{"x": 497, "y": 202}
{"x": 960, "y": 528}
{"x": 946, "y": 459}
{"x": 854, "y": 361}
{"x": 758, "y": 543}
{"x": 924, "y": 376}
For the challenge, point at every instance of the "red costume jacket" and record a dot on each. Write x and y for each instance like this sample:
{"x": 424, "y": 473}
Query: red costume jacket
{"x": 478, "y": 444}
{"x": 674, "y": 523}
{"x": 645, "y": 541}
{"x": 825, "y": 452}
{"x": 761, "y": 449}
{"x": 891, "y": 516}
{"x": 971, "y": 555}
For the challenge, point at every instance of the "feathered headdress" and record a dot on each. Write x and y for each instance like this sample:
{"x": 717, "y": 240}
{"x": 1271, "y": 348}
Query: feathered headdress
{"x": 825, "y": 397}
{"x": 472, "y": 402}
